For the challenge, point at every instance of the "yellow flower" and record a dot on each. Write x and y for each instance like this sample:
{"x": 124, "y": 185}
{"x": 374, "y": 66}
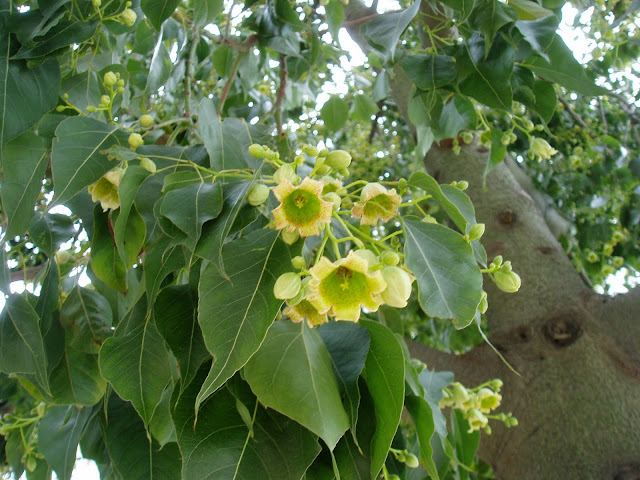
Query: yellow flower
{"x": 376, "y": 202}
{"x": 340, "y": 288}
{"x": 301, "y": 207}
{"x": 105, "y": 190}
{"x": 305, "y": 310}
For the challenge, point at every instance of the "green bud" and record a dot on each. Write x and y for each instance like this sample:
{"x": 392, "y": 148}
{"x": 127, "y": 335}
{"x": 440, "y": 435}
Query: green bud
{"x": 369, "y": 256}
{"x": 257, "y": 151}
{"x": 338, "y": 159}
{"x": 592, "y": 257}
{"x": 290, "y": 237}
{"x": 462, "y": 185}
{"x": 390, "y": 258}
{"x": 105, "y": 100}
{"x": 91, "y": 108}
{"x": 311, "y": 151}
{"x": 299, "y": 262}
{"x": 120, "y": 90}
{"x": 258, "y": 194}
{"x": 323, "y": 170}
{"x": 31, "y": 463}
{"x": 120, "y": 82}
{"x": 96, "y": 3}
{"x": 617, "y": 236}
{"x": 148, "y": 164}
{"x": 459, "y": 394}
{"x": 618, "y": 262}
{"x": 334, "y": 198}
{"x": 285, "y": 172}
{"x": 497, "y": 261}
{"x": 65, "y": 96}
{"x": 62, "y": 256}
{"x": 411, "y": 460}
{"x": 128, "y": 17}
{"x": 508, "y": 282}
{"x": 467, "y": 137}
{"x": 429, "y": 219}
{"x": 287, "y": 286}
{"x": 484, "y": 303}
{"x": 110, "y": 79}
{"x": 60, "y": 108}
{"x": 298, "y": 160}
{"x": 402, "y": 185}
{"x": 323, "y": 153}
{"x": 344, "y": 172}
{"x": 393, "y": 476}
{"x": 398, "y": 288}
{"x": 146, "y": 121}
{"x": 135, "y": 140}
{"x": 476, "y": 231}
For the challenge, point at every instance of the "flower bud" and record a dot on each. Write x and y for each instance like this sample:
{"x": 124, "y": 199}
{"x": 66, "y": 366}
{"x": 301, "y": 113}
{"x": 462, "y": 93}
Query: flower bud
{"x": 338, "y": 159}
{"x": 459, "y": 394}
{"x": 120, "y": 90}
{"x": 146, "y": 121}
{"x": 258, "y": 194}
{"x": 398, "y": 288}
{"x": 368, "y": 255}
{"x": 128, "y": 17}
{"x": 298, "y": 160}
{"x": 484, "y": 303}
{"x": 310, "y": 151}
{"x": 467, "y": 137}
{"x": 323, "y": 153}
{"x": 497, "y": 261}
{"x": 105, "y": 100}
{"x": 290, "y": 237}
{"x": 257, "y": 151}
{"x": 135, "y": 140}
{"x": 285, "y": 172}
{"x": 476, "y": 231}
{"x": 60, "y": 108}
{"x": 287, "y": 286}
{"x": 96, "y": 3}
{"x": 508, "y": 282}
{"x": 411, "y": 460}
{"x": 541, "y": 148}
{"x": 462, "y": 185}
{"x": 299, "y": 263}
{"x": 110, "y": 79}
{"x": 323, "y": 170}
{"x": 148, "y": 164}
{"x": 390, "y": 258}
{"x": 618, "y": 262}
{"x": 62, "y": 257}
{"x": 617, "y": 236}
{"x": 91, "y": 108}
{"x": 334, "y": 198}
{"x": 476, "y": 420}
{"x": 428, "y": 219}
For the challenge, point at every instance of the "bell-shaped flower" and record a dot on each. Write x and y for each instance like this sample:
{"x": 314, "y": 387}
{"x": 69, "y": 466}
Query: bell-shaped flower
{"x": 304, "y": 310}
{"x": 376, "y": 202}
{"x": 488, "y": 400}
{"x": 341, "y": 288}
{"x": 301, "y": 208}
{"x": 541, "y": 148}
{"x": 105, "y": 190}
{"x": 398, "y": 288}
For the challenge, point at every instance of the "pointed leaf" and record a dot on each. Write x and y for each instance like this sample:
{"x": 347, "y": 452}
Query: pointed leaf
{"x": 129, "y": 185}
{"x": 86, "y": 315}
{"x": 351, "y": 463}
{"x": 160, "y": 261}
{"x": 21, "y": 344}
{"x": 205, "y": 11}
{"x": 23, "y": 169}
{"x": 292, "y": 373}
{"x": 106, "y": 262}
{"x": 77, "y": 379}
{"x": 51, "y": 230}
{"x": 65, "y": 33}
{"x": 158, "y": 11}
{"x": 433, "y": 383}
{"x": 384, "y": 31}
{"x": 235, "y": 311}
{"x": 422, "y": 417}
{"x": 429, "y": 72}
{"x": 449, "y": 279}
{"x": 384, "y": 374}
{"x": 59, "y": 432}
{"x": 138, "y": 367}
{"x": 175, "y": 313}
{"x": 334, "y": 113}
{"x": 489, "y": 17}
{"x": 76, "y": 161}
{"x": 429, "y": 184}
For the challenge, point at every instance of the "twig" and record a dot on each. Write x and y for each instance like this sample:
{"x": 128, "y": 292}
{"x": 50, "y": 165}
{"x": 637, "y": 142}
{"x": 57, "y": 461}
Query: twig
{"x": 281, "y": 90}
{"x": 359, "y": 21}
{"x": 577, "y": 118}
{"x": 189, "y": 71}
{"x": 246, "y": 45}
{"x": 603, "y": 117}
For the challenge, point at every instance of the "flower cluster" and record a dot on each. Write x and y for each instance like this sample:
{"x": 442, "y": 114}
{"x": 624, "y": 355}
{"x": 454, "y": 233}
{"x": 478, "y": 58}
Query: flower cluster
{"x": 476, "y": 404}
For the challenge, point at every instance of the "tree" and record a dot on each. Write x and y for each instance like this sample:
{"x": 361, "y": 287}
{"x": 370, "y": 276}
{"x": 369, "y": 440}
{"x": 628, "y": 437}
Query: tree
{"x": 230, "y": 283}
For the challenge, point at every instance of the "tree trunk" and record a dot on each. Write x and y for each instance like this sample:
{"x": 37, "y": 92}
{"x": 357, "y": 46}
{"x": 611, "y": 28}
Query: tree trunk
{"x": 577, "y": 398}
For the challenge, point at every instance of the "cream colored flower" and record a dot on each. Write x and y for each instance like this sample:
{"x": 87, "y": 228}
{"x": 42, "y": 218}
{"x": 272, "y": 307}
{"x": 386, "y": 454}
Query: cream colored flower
{"x": 341, "y": 288}
{"x": 301, "y": 207}
{"x": 105, "y": 190}
{"x": 376, "y": 202}
{"x": 305, "y": 311}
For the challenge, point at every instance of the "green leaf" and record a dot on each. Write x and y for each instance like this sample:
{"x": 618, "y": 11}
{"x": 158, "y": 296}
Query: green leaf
{"x": 220, "y": 445}
{"x": 59, "y": 432}
{"x": 384, "y": 31}
{"x": 564, "y": 69}
{"x": 160, "y": 261}
{"x": 51, "y": 230}
{"x": 457, "y": 114}
{"x": 175, "y": 313}
{"x": 77, "y": 379}
{"x": 157, "y": 11}
{"x": 23, "y": 167}
{"x": 5, "y": 275}
{"x": 188, "y": 208}
{"x": 227, "y": 141}
{"x": 384, "y": 375}
{"x": 429, "y": 184}
{"x": 539, "y": 34}
{"x": 63, "y": 34}
{"x": 449, "y": 280}
{"x": 26, "y": 94}
{"x": 422, "y": 417}
{"x": 497, "y": 154}
{"x": 363, "y": 108}
{"x": 21, "y": 344}
{"x": 466, "y": 442}
{"x": 161, "y": 66}
{"x": 465, "y": 7}
{"x": 489, "y": 82}
{"x": 335, "y": 17}
{"x": 205, "y": 11}
{"x": 429, "y": 72}
{"x": 138, "y": 367}
{"x": 86, "y": 315}
{"x": 381, "y": 88}
{"x": 83, "y": 89}
{"x": 136, "y": 457}
{"x": 350, "y": 462}
{"x": 529, "y": 10}
{"x": 76, "y": 161}
{"x": 490, "y": 16}
{"x": 235, "y": 310}
{"x": 161, "y": 424}
{"x": 433, "y": 383}
{"x": 546, "y": 100}
{"x": 214, "y": 234}
{"x": 334, "y": 113}
{"x": 106, "y": 262}
{"x": 292, "y": 373}
{"x": 129, "y": 185}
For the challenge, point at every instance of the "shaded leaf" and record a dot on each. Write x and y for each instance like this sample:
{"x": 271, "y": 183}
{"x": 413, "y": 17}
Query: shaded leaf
{"x": 63, "y": 34}
{"x": 433, "y": 383}
{"x": 205, "y": 11}
{"x": 160, "y": 261}
{"x": 529, "y": 10}
{"x": 422, "y": 417}
{"x": 77, "y": 379}
{"x": 86, "y": 315}
{"x": 429, "y": 184}
{"x": 429, "y": 72}
{"x": 490, "y": 16}
{"x": 157, "y": 11}
{"x": 50, "y": 230}
{"x": 384, "y": 31}
{"x": 292, "y": 373}
{"x": 334, "y": 113}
